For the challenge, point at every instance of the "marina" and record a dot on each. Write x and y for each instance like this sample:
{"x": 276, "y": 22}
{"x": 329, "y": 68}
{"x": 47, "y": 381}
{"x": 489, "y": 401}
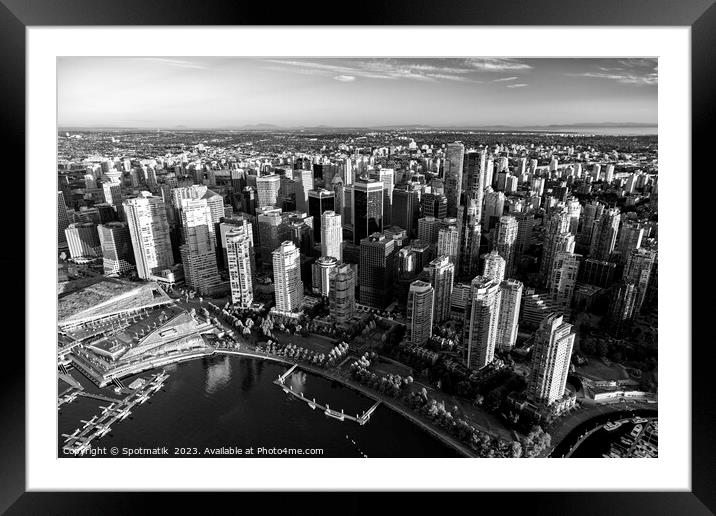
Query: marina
{"x": 79, "y": 441}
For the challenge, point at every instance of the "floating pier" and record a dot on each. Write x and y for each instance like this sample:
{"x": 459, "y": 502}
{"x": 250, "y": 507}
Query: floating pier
{"x": 79, "y": 441}
{"x": 361, "y": 419}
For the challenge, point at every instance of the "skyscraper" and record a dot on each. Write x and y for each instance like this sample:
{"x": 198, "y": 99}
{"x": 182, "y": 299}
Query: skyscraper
{"x": 331, "y": 235}
{"x": 321, "y": 270}
{"x": 494, "y": 266}
{"x": 604, "y": 235}
{"x": 482, "y": 311}
{"x": 420, "y": 311}
{"x": 507, "y": 324}
{"x": 441, "y": 274}
{"x": 428, "y": 228}
{"x": 493, "y": 208}
{"x": 199, "y": 249}
{"x": 267, "y": 189}
{"x": 473, "y": 183}
{"x": 556, "y": 238}
{"x": 449, "y": 241}
{"x": 638, "y": 269}
{"x": 116, "y": 242}
{"x": 506, "y": 242}
{"x": 341, "y": 293}
{"x": 564, "y": 278}
{"x": 367, "y": 208}
{"x": 83, "y": 240}
{"x": 288, "y": 287}
{"x": 469, "y": 221}
{"x": 63, "y": 219}
{"x": 319, "y": 202}
{"x": 406, "y": 203}
{"x": 630, "y": 237}
{"x": 434, "y": 205}
{"x": 592, "y": 211}
{"x": 551, "y": 356}
{"x": 147, "y": 221}
{"x": 454, "y": 156}
{"x": 239, "y": 251}
{"x": 377, "y": 270}
{"x": 304, "y": 184}
{"x": 622, "y": 308}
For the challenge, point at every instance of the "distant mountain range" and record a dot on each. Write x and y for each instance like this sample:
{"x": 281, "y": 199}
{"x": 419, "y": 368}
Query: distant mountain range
{"x": 273, "y": 127}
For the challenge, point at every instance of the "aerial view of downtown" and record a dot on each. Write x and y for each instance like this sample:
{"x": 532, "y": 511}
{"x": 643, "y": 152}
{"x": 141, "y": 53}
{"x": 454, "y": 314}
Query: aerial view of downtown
{"x": 357, "y": 257}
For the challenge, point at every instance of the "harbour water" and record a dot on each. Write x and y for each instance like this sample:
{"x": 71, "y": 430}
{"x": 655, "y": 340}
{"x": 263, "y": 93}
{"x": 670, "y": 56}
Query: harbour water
{"x": 229, "y": 401}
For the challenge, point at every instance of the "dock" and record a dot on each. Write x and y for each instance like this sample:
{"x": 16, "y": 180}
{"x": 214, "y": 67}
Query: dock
{"x": 79, "y": 441}
{"x": 361, "y": 419}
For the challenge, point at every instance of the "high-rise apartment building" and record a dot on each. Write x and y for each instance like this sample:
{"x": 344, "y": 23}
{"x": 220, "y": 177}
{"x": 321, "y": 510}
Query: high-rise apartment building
{"x": 551, "y": 357}
{"x": 148, "y": 227}
{"x": 288, "y": 287}
{"x": 239, "y": 260}
{"x": 449, "y": 241}
{"x": 199, "y": 249}
{"x": 604, "y": 235}
{"x": 481, "y": 327}
{"x": 494, "y": 266}
{"x": 420, "y": 312}
{"x": 441, "y": 274}
{"x": 506, "y": 242}
{"x": 638, "y": 270}
{"x": 563, "y": 280}
{"x": 510, "y": 302}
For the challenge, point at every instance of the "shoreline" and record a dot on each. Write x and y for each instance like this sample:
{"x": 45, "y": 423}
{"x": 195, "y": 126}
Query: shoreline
{"x": 359, "y": 388}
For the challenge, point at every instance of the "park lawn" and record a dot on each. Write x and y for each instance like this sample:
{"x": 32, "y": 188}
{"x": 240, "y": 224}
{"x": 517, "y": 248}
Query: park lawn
{"x": 598, "y": 370}
{"x": 383, "y": 367}
{"x": 317, "y": 343}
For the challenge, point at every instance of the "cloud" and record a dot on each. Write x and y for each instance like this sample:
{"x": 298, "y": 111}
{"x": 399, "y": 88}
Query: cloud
{"x": 497, "y": 64}
{"x": 385, "y": 69}
{"x": 636, "y": 71}
{"x": 176, "y": 63}
{"x": 505, "y": 79}
{"x": 624, "y": 78}
{"x": 521, "y": 85}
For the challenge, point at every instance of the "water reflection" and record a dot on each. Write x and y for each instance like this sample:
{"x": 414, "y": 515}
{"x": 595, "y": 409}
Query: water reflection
{"x": 218, "y": 374}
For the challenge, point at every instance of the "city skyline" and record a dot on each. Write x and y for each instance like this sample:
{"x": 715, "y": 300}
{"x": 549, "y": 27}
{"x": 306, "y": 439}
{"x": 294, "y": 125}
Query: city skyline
{"x": 271, "y": 92}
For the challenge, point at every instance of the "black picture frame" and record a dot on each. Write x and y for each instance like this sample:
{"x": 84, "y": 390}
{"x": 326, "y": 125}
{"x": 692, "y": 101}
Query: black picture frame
{"x": 17, "y": 15}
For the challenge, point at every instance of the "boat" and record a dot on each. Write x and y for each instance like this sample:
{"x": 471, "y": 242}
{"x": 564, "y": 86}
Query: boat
{"x": 611, "y": 426}
{"x": 636, "y": 431}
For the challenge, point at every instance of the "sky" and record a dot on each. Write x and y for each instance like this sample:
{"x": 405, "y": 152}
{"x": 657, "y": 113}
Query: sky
{"x": 227, "y": 92}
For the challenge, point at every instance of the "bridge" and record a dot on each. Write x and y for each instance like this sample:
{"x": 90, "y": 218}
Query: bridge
{"x": 282, "y": 377}
{"x": 100, "y": 425}
{"x": 361, "y": 419}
